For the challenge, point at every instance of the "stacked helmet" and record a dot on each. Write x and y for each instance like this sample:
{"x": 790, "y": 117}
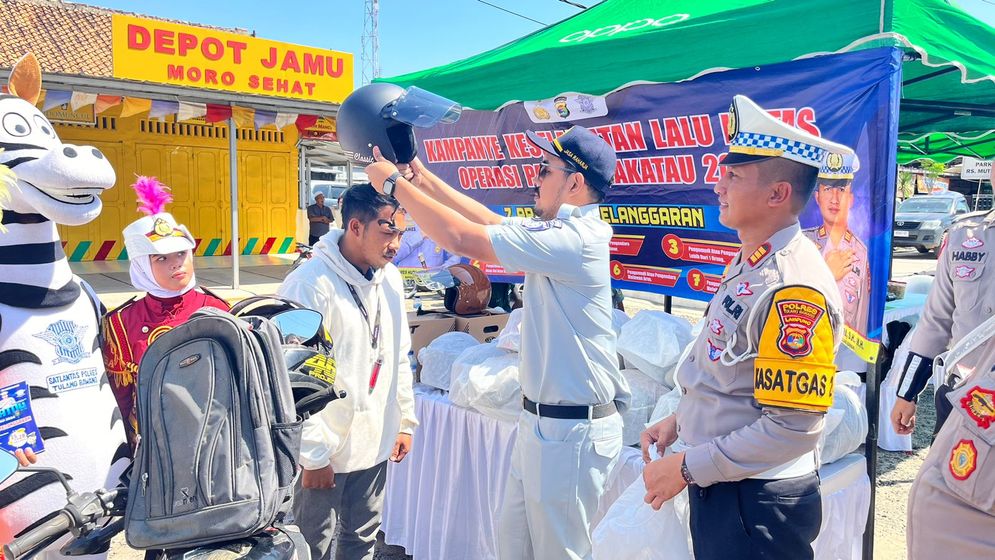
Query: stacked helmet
{"x": 471, "y": 290}
{"x": 309, "y": 362}
{"x": 383, "y": 114}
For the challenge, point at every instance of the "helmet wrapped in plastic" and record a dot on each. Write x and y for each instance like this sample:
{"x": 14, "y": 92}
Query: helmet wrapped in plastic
{"x": 471, "y": 290}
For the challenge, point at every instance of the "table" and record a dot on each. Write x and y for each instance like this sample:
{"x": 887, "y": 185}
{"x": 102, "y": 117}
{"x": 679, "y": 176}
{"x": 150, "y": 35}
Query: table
{"x": 441, "y": 502}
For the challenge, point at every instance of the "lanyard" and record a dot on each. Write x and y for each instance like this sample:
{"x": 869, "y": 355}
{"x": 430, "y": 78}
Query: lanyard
{"x": 374, "y": 333}
{"x": 373, "y": 329}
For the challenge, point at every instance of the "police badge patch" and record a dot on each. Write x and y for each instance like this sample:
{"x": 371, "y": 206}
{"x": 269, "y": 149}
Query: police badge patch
{"x": 972, "y": 243}
{"x": 798, "y": 320}
{"x": 980, "y": 406}
{"x": 535, "y": 224}
{"x": 714, "y": 352}
{"x": 963, "y": 459}
{"x": 964, "y": 271}
{"x": 67, "y": 338}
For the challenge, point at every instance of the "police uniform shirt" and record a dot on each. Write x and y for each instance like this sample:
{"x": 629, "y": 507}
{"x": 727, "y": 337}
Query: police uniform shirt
{"x": 780, "y": 309}
{"x": 963, "y": 294}
{"x": 568, "y": 353}
{"x": 855, "y": 286}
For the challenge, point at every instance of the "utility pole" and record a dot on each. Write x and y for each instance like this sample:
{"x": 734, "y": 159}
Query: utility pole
{"x": 371, "y": 41}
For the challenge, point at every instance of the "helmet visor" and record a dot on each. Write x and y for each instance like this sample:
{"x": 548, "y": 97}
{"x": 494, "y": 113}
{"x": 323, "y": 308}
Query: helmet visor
{"x": 423, "y": 109}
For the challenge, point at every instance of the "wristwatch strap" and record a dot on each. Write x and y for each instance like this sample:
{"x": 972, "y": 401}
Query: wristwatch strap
{"x": 390, "y": 184}
{"x": 685, "y": 473}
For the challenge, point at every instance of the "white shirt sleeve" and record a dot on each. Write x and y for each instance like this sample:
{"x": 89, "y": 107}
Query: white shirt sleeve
{"x": 550, "y": 247}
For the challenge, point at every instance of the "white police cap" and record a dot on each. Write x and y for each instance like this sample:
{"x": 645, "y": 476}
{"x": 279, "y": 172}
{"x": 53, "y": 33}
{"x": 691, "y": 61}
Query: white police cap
{"x": 755, "y": 135}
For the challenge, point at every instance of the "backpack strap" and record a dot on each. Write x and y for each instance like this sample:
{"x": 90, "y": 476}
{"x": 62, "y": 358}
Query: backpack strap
{"x": 965, "y": 346}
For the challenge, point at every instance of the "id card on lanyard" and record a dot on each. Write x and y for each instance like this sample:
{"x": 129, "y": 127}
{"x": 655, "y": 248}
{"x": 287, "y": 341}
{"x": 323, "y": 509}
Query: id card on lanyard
{"x": 375, "y": 333}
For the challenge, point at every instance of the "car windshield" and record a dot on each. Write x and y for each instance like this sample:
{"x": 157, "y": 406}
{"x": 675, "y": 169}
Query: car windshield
{"x": 926, "y": 206}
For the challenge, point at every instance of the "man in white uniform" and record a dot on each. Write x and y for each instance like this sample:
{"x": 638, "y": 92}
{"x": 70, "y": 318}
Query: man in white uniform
{"x": 570, "y": 432}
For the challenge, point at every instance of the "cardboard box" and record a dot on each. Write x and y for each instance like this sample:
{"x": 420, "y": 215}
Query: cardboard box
{"x": 426, "y": 328}
{"x": 484, "y": 328}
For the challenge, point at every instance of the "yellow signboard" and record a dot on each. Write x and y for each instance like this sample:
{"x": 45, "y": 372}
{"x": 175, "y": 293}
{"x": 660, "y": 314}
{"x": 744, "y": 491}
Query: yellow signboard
{"x": 183, "y": 55}
{"x": 65, "y": 114}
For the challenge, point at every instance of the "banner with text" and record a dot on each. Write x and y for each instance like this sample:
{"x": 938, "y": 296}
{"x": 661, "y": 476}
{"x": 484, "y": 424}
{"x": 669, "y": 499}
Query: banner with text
{"x": 184, "y": 55}
{"x": 670, "y": 141}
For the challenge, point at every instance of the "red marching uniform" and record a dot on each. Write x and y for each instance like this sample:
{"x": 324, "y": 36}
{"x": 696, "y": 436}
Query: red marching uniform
{"x": 128, "y": 331}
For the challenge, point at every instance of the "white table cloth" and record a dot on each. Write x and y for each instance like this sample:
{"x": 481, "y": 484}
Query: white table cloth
{"x": 441, "y": 502}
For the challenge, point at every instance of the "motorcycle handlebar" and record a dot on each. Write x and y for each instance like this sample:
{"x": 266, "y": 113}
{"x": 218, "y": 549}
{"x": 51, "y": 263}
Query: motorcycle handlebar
{"x": 39, "y": 537}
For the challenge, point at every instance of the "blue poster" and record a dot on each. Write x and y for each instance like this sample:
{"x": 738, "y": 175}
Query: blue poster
{"x": 18, "y": 429}
{"x": 670, "y": 139}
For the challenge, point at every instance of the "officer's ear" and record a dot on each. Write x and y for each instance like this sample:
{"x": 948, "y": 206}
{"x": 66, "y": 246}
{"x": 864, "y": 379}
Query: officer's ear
{"x": 780, "y": 193}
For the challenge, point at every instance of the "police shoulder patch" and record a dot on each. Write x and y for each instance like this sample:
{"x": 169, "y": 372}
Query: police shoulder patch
{"x": 795, "y": 365}
{"x": 536, "y": 224}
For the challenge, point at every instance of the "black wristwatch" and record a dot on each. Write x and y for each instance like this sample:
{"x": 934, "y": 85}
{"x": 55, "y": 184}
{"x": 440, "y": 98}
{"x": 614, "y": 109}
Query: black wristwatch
{"x": 685, "y": 473}
{"x": 390, "y": 184}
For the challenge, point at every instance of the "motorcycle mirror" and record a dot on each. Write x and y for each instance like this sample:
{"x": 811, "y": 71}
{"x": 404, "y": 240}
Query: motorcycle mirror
{"x": 297, "y": 324}
{"x": 8, "y": 465}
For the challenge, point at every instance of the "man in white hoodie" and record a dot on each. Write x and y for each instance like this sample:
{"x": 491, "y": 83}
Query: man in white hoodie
{"x": 345, "y": 447}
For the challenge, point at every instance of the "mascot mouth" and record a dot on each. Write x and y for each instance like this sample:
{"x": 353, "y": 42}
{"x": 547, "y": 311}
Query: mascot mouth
{"x": 74, "y": 199}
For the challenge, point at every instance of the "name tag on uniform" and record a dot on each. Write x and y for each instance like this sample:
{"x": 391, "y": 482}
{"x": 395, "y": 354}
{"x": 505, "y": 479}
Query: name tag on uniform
{"x": 18, "y": 429}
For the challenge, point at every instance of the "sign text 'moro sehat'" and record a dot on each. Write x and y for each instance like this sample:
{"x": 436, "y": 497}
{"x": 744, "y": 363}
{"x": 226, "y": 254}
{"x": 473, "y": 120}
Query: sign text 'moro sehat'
{"x": 755, "y": 135}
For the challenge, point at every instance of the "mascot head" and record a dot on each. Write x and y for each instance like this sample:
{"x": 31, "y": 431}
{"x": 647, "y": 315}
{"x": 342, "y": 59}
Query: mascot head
{"x": 59, "y": 181}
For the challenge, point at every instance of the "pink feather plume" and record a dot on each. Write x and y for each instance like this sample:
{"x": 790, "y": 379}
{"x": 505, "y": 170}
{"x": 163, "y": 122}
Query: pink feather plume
{"x": 153, "y": 196}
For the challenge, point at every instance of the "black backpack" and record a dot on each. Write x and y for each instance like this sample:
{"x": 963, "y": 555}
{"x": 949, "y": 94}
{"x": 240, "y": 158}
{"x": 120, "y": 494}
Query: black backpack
{"x": 219, "y": 437}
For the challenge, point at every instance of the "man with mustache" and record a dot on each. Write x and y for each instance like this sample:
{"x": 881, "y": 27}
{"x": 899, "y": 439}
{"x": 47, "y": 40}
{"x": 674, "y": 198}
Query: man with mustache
{"x": 346, "y": 446}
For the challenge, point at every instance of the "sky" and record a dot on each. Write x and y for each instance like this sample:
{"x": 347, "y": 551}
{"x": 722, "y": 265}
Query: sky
{"x": 414, "y": 34}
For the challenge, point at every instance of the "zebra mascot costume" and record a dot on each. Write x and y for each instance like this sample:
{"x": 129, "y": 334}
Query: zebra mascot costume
{"x": 49, "y": 319}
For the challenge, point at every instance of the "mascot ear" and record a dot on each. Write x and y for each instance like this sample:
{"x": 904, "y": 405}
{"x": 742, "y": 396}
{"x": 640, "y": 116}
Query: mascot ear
{"x": 25, "y": 79}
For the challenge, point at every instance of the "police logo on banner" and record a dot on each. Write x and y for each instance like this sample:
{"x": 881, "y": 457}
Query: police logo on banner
{"x": 67, "y": 338}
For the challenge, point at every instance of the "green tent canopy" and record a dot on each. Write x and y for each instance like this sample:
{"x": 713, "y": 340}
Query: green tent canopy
{"x": 944, "y": 148}
{"x": 948, "y": 76}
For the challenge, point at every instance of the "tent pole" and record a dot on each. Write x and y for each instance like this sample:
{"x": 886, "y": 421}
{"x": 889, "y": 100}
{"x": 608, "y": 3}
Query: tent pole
{"x": 871, "y": 451}
{"x": 233, "y": 174}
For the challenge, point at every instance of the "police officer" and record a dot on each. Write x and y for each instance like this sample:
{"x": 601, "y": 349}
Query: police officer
{"x": 759, "y": 377}
{"x": 961, "y": 298}
{"x": 951, "y": 511}
{"x": 844, "y": 252}
{"x": 570, "y": 432}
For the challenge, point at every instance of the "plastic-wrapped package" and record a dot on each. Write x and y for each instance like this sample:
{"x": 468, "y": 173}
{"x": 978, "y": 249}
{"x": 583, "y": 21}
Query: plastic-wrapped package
{"x": 633, "y": 530}
{"x": 485, "y": 378}
{"x": 645, "y": 393}
{"x": 652, "y": 342}
{"x": 619, "y": 318}
{"x": 846, "y": 421}
{"x": 666, "y": 405}
{"x": 511, "y": 335}
{"x": 437, "y": 358}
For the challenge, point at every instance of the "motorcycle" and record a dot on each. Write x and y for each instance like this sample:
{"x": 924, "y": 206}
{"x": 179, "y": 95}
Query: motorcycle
{"x": 305, "y": 252}
{"x": 95, "y": 517}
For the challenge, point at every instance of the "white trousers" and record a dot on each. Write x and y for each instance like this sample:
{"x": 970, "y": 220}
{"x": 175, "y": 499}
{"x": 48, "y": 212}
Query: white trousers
{"x": 559, "y": 469}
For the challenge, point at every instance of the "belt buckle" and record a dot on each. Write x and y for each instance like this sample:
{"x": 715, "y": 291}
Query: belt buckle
{"x": 590, "y": 413}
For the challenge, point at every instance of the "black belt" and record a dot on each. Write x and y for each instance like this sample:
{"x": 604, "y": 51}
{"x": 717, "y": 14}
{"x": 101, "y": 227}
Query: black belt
{"x": 570, "y": 411}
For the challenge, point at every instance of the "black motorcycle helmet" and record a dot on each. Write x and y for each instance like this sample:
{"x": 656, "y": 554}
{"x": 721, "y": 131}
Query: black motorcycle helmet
{"x": 383, "y": 115}
{"x": 309, "y": 359}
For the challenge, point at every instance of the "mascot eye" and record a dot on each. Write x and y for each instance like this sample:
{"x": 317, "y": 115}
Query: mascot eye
{"x": 45, "y": 126}
{"x": 16, "y": 125}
